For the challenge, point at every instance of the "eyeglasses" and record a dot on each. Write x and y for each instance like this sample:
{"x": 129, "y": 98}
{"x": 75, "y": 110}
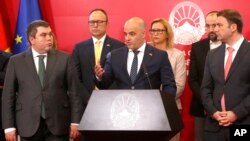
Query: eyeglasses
{"x": 158, "y": 31}
{"x": 98, "y": 22}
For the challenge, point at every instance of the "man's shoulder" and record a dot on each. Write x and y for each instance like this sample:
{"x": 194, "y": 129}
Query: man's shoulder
{"x": 119, "y": 50}
{"x": 203, "y": 42}
{"x": 59, "y": 53}
{"x": 84, "y": 43}
{"x": 114, "y": 42}
{"x": 5, "y": 54}
{"x": 155, "y": 50}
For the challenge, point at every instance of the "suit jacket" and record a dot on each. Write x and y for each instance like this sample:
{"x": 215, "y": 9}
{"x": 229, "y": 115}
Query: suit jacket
{"x": 236, "y": 87}
{"x": 23, "y": 94}
{"x": 4, "y": 58}
{"x": 84, "y": 57}
{"x": 196, "y": 69}
{"x": 155, "y": 69}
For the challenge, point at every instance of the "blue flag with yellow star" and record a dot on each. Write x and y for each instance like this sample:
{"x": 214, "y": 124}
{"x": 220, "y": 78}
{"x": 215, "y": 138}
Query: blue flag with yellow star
{"x": 29, "y": 11}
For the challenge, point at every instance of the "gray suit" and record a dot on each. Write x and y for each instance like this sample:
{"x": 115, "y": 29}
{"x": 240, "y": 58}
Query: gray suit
{"x": 23, "y": 94}
{"x": 236, "y": 87}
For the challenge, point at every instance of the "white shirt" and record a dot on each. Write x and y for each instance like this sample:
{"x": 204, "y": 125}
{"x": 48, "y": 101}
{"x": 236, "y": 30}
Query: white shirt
{"x": 36, "y": 59}
{"x": 236, "y": 47}
{"x": 214, "y": 45}
{"x": 139, "y": 56}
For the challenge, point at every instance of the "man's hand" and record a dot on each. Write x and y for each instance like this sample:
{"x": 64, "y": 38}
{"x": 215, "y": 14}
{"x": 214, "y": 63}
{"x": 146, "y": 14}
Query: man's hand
{"x": 11, "y": 136}
{"x": 99, "y": 71}
{"x": 74, "y": 133}
{"x": 229, "y": 119}
{"x": 225, "y": 118}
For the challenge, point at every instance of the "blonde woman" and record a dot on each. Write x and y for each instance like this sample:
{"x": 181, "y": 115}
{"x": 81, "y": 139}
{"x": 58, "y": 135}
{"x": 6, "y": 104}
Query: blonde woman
{"x": 161, "y": 35}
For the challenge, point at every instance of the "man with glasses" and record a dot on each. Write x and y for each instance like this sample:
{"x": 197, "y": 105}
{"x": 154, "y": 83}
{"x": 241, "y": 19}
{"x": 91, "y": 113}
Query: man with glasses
{"x": 197, "y": 62}
{"x": 93, "y": 51}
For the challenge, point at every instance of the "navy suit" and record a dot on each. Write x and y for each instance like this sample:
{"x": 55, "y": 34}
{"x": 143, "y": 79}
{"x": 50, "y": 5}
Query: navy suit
{"x": 84, "y": 57}
{"x": 155, "y": 63}
{"x": 236, "y": 87}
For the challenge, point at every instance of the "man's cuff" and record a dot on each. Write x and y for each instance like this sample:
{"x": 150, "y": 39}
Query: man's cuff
{"x": 7, "y": 130}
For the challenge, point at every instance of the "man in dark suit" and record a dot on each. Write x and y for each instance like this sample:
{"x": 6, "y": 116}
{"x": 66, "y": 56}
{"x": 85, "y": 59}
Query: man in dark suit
{"x": 197, "y": 62}
{"x": 40, "y": 101}
{"x": 86, "y": 53}
{"x": 225, "y": 89}
{"x": 4, "y": 58}
{"x": 152, "y": 67}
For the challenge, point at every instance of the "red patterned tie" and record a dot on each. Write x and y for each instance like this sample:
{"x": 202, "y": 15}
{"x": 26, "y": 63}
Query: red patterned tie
{"x": 226, "y": 70}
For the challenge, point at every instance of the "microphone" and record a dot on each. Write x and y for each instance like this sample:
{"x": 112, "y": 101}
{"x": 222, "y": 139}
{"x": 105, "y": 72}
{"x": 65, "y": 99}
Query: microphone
{"x": 146, "y": 74}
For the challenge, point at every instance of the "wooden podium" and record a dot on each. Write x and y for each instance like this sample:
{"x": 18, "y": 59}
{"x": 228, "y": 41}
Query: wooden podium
{"x": 130, "y": 115}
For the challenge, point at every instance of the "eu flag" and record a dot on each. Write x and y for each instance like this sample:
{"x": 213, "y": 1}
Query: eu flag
{"x": 28, "y": 11}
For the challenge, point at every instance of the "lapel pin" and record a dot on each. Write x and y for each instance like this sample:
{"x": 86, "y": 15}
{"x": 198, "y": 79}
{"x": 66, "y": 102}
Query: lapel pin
{"x": 108, "y": 45}
{"x": 150, "y": 54}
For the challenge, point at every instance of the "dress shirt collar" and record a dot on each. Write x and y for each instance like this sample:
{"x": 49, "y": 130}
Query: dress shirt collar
{"x": 35, "y": 53}
{"x": 214, "y": 44}
{"x": 102, "y": 39}
{"x": 140, "y": 49}
{"x": 236, "y": 45}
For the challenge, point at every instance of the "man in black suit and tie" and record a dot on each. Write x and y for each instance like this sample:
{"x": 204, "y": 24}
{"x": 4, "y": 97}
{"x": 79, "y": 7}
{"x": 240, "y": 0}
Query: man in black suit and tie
{"x": 196, "y": 69}
{"x": 137, "y": 66}
{"x": 87, "y": 53}
{"x": 4, "y": 58}
{"x": 40, "y": 101}
{"x": 225, "y": 89}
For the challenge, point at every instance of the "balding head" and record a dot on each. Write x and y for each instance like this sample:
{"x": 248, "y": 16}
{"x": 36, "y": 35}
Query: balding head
{"x": 136, "y": 21}
{"x": 134, "y": 31}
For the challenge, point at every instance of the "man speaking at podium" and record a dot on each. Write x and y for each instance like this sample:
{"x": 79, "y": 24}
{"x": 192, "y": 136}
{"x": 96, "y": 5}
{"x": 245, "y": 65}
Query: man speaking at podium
{"x": 139, "y": 66}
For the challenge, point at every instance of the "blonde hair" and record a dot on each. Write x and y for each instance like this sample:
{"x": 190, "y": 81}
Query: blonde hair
{"x": 169, "y": 31}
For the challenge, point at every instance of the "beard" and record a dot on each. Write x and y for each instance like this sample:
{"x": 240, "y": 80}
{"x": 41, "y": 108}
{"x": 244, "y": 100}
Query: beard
{"x": 212, "y": 36}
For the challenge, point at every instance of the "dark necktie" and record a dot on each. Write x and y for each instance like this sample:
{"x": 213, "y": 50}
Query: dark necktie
{"x": 133, "y": 72}
{"x": 41, "y": 74}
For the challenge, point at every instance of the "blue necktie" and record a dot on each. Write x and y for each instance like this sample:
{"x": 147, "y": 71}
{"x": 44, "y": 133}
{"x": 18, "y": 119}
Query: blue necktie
{"x": 41, "y": 74}
{"x": 133, "y": 72}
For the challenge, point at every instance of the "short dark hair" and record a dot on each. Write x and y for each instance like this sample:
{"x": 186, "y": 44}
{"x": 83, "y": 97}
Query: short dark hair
{"x": 101, "y": 10}
{"x": 32, "y": 27}
{"x": 233, "y": 17}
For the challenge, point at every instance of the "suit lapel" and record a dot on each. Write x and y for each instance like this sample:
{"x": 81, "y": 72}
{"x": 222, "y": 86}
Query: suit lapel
{"x": 105, "y": 50}
{"x": 220, "y": 61}
{"x": 31, "y": 65}
{"x": 51, "y": 61}
{"x": 206, "y": 48}
{"x": 148, "y": 53}
{"x": 124, "y": 63}
{"x": 240, "y": 54}
{"x": 90, "y": 48}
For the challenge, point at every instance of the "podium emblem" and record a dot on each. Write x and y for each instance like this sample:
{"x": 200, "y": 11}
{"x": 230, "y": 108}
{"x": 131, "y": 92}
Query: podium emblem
{"x": 125, "y": 111}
